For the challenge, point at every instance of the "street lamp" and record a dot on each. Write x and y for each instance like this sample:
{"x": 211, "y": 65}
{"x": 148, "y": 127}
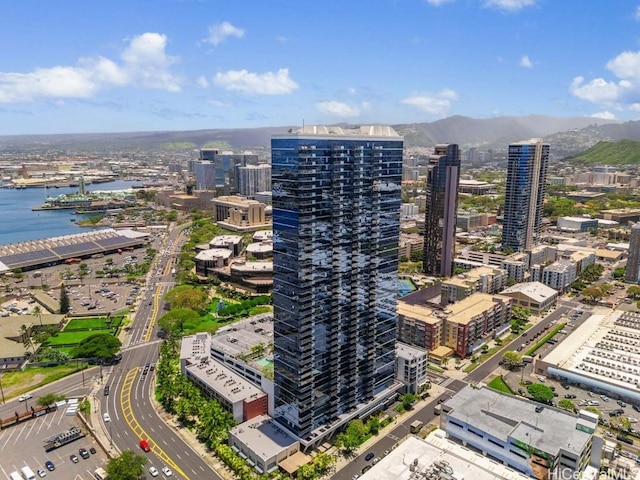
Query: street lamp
{"x": 110, "y": 436}
{"x": 1, "y": 390}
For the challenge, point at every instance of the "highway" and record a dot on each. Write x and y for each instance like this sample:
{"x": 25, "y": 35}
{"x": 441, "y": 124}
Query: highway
{"x": 132, "y": 414}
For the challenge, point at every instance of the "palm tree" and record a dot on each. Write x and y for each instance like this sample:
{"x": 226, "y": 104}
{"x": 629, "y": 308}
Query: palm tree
{"x": 37, "y": 311}
{"x": 26, "y": 338}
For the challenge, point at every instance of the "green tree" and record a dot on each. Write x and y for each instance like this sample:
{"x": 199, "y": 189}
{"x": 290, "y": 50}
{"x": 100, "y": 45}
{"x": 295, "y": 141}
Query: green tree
{"x": 567, "y": 405}
{"x": 633, "y": 291}
{"x": 37, "y": 311}
{"x": 539, "y": 392}
{"x": 520, "y": 314}
{"x": 619, "y": 273}
{"x": 65, "y": 305}
{"x": 100, "y": 345}
{"x": 186, "y": 296}
{"x": 174, "y": 321}
{"x": 593, "y": 293}
{"x": 407, "y": 400}
{"x": 25, "y": 334}
{"x": 511, "y": 359}
{"x": 127, "y": 466}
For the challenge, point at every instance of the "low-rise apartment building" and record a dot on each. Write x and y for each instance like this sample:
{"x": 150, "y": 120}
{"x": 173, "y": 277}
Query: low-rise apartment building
{"x": 481, "y": 279}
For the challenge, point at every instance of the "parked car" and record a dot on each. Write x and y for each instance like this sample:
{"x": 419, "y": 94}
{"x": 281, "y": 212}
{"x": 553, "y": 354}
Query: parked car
{"x": 74, "y": 458}
{"x": 42, "y": 472}
{"x": 369, "y": 456}
{"x": 50, "y": 466}
{"x": 84, "y": 453}
{"x": 92, "y": 451}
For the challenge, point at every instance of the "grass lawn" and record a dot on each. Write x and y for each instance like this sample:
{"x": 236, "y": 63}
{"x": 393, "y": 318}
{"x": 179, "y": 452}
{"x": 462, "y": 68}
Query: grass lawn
{"x": 18, "y": 382}
{"x": 70, "y": 338}
{"x": 88, "y": 323}
{"x": 499, "y": 384}
{"x": 435, "y": 368}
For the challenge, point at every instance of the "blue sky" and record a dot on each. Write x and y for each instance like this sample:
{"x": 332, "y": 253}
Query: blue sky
{"x": 140, "y": 65}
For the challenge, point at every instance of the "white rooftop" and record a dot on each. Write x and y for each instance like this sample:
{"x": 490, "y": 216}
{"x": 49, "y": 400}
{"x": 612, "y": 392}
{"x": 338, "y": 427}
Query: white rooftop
{"x": 535, "y": 290}
{"x": 436, "y": 453}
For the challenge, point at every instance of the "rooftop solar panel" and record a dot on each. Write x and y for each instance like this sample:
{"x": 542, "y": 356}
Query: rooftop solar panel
{"x": 84, "y": 248}
{"x": 19, "y": 260}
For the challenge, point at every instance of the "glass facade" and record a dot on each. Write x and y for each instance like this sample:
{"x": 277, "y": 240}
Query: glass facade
{"x": 219, "y": 171}
{"x": 443, "y": 178}
{"x": 524, "y": 195}
{"x": 336, "y": 218}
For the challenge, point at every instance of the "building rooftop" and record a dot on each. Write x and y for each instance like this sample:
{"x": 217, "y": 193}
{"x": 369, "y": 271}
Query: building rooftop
{"x": 425, "y": 314}
{"x": 263, "y": 436}
{"x": 605, "y": 349}
{"x": 409, "y": 351}
{"x": 536, "y": 291}
{"x": 214, "y": 253}
{"x": 468, "y": 309}
{"x": 445, "y": 459}
{"x": 239, "y": 338}
{"x": 506, "y": 416}
{"x": 332, "y": 130}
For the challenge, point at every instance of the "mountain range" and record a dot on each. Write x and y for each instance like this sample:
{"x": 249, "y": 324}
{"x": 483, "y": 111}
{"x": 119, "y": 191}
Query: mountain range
{"x": 567, "y": 136}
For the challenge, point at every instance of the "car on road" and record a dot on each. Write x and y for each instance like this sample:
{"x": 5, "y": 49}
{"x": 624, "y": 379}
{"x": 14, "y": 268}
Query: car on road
{"x": 84, "y": 453}
{"x": 144, "y": 445}
{"x": 369, "y": 456}
{"x": 42, "y": 472}
{"x": 50, "y": 466}
{"x": 74, "y": 458}
{"x": 106, "y": 390}
{"x": 25, "y": 397}
{"x": 167, "y": 471}
{"x": 153, "y": 471}
{"x": 106, "y": 417}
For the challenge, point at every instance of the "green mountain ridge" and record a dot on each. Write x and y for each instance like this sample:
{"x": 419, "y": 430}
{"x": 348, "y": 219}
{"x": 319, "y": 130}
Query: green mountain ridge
{"x": 621, "y": 152}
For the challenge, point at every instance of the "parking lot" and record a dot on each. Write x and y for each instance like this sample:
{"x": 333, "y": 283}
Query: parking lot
{"x": 23, "y": 444}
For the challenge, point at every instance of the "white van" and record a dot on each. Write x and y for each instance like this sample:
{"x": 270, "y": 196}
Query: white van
{"x": 15, "y": 476}
{"x": 27, "y": 473}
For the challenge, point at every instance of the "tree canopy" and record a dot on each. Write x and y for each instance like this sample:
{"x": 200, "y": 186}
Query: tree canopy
{"x": 174, "y": 321}
{"x": 540, "y": 392}
{"x": 511, "y": 359}
{"x": 128, "y": 466}
{"x": 186, "y": 296}
{"x": 100, "y": 345}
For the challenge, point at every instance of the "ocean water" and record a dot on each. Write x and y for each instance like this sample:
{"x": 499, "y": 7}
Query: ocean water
{"x": 18, "y": 223}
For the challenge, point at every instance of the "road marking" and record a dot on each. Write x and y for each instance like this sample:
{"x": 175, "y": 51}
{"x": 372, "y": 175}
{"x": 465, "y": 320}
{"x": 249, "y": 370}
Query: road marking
{"x": 132, "y": 422}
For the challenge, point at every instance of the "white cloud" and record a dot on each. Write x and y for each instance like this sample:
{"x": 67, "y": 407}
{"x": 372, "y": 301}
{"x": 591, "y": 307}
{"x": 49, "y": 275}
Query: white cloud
{"x": 437, "y": 3}
{"x": 621, "y": 92}
{"x": 509, "y": 5}
{"x": 526, "y": 62}
{"x": 202, "y": 82}
{"x": 144, "y": 64}
{"x": 637, "y": 13}
{"x": 339, "y": 109}
{"x": 437, "y": 104}
{"x": 607, "y": 115}
{"x": 268, "y": 83}
{"x": 220, "y": 32}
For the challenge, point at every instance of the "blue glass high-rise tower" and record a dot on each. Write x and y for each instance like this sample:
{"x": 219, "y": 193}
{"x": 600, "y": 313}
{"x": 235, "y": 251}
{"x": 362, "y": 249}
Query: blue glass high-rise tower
{"x": 524, "y": 195}
{"x": 336, "y": 216}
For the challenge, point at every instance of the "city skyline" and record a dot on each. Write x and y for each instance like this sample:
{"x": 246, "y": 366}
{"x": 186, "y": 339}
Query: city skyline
{"x": 182, "y": 65}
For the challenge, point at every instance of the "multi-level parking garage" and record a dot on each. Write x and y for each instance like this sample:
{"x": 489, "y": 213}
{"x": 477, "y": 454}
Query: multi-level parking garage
{"x": 47, "y": 252}
{"x": 602, "y": 355}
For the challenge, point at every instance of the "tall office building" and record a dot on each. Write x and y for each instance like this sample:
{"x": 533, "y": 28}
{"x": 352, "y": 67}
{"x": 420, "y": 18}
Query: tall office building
{"x": 254, "y": 178}
{"x": 336, "y": 221}
{"x": 524, "y": 196}
{"x": 443, "y": 177}
{"x": 219, "y": 171}
{"x": 632, "y": 274}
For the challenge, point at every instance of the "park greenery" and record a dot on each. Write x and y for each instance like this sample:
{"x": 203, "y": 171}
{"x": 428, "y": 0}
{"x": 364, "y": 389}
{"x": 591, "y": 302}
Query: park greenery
{"x": 499, "y": 384}
{"x": 100, "y": 346}
{"x": 567, "y": 405}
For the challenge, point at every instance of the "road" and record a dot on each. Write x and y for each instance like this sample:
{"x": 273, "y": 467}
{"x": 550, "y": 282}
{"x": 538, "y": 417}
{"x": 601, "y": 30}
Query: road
{"x": 129, "y": 401}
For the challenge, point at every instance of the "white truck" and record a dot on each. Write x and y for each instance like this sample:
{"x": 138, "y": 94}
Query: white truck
{"x": 100, "y": 474}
